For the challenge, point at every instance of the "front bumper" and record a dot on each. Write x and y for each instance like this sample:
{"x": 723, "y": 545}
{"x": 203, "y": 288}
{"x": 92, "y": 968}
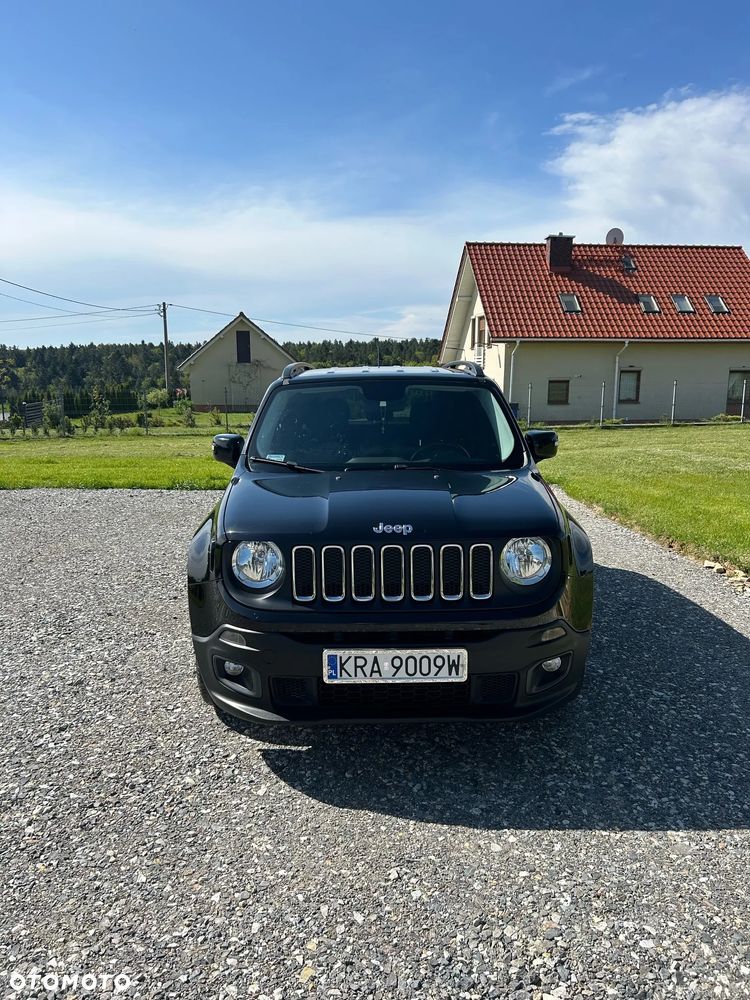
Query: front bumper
{"x": 282, "y": 679}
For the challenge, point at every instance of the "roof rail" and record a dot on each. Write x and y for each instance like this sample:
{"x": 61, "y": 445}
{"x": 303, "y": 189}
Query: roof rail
{"x": 294, "y": 369}
{"x": 470, "y": 367}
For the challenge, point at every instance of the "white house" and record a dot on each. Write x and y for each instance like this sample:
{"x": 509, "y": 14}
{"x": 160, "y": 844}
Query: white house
{"x": 235, "y": 367}
{"x": 561, "y": 326}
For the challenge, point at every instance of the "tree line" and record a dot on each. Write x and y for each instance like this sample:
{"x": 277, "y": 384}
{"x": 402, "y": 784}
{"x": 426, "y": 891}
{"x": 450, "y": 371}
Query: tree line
{"x": 124, "y": 372}
{"x": 412, "y": 351}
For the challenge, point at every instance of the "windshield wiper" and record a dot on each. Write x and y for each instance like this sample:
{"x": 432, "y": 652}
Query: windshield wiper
{"x": 285, "y": 465}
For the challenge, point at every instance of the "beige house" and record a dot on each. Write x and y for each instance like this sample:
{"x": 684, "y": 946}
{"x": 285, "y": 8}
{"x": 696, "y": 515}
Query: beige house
{"x": 574, "y": 332}
{"x": 235, "y": 367}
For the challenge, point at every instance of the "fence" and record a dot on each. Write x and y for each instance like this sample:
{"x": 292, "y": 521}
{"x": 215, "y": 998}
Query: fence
{"x": 576, "y": 400}
{"x": 67, "y": 413}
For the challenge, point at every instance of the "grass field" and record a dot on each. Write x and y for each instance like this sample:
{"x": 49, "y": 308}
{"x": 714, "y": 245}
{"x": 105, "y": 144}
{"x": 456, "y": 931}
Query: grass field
{"x": 687, "y": 485}
{"x": 155, "y": 462}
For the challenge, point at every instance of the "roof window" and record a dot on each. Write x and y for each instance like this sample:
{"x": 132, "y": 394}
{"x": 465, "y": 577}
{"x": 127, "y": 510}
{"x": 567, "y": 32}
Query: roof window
{"x": 716, "y": 304}
{"x": 648, "y": 303}
{"x": 682, "y": 304}
{"x": 569, "y": 303}
{"x": 629, "y": 266}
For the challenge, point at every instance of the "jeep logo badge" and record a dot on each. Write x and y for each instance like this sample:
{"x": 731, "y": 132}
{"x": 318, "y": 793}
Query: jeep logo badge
{"x": 397, "y": 529}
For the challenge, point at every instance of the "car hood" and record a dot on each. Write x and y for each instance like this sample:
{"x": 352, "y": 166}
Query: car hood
{"x": 360, "y": 506}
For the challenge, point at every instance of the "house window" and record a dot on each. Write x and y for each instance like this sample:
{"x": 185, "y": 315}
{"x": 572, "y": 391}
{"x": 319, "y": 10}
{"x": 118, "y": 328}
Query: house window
{"x": 629, "y": 266}
{"x": 716, "y": 304}
{"x": 481, "y": 331}
{"x": 569, "y": 303}
{"x": 558, "y": 392}
{"x": 682, "y": 304}
{"x": 243, "y": 347}
{"x": 648, "y": 303}
{"x": 630, "y": 387}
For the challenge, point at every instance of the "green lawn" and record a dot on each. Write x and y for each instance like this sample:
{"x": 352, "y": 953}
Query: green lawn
{"x": 687, "y": 485}
{"x": 155, "y": 462}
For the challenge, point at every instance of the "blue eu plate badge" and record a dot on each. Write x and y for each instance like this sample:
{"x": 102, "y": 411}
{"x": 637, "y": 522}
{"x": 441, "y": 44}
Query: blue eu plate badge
{"x": 333, "y": 667}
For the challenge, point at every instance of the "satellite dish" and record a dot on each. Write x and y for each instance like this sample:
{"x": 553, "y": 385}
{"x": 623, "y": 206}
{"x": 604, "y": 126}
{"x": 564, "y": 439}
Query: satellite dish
{"x": 615, "y": 237}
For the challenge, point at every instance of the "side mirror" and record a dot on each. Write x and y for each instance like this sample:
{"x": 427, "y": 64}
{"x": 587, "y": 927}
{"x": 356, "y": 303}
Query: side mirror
{"x": 542, "y": 444}
{"x": 227, "y": 448}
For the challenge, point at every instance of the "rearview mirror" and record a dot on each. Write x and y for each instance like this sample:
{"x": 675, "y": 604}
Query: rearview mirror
{"x": 227, "y": 448}
{"x": 542, "y": 444}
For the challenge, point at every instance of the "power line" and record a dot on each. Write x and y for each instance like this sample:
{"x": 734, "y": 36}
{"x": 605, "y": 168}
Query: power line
{"x": 30, "y": 302}
{"x": 97, "y": 312}
{"x": 134, "y": 311}
{"x": 80, "y": 322}
{"x": 299, "y": 326}
{"x": 76, "y": 302}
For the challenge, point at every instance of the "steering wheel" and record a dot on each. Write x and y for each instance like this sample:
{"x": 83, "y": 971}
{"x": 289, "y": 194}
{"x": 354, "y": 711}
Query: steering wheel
{"x": 439, "y": 449}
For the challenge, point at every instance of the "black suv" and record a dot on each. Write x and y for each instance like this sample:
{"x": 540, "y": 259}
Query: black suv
{"x": 387, "y": 549}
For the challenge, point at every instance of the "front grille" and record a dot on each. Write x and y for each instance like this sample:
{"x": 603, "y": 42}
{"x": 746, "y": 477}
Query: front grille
{"x": 392, "y": 573}
{"x": 414, "y": 697}
{"x": 480, "y": 692}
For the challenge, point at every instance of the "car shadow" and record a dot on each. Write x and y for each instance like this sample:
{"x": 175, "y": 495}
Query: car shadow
{"x": 659, "y": 738}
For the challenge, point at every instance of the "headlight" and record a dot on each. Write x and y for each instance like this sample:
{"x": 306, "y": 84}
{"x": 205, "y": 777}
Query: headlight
{"x": 526, "y": 560}
{"x": 257, "y": 564}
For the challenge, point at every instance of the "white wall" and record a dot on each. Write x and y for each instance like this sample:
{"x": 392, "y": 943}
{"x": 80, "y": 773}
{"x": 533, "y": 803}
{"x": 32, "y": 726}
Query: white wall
{"x": 701, "y": 370}
{"x": 494, "y": 355}
{"x": 216, "y": 369}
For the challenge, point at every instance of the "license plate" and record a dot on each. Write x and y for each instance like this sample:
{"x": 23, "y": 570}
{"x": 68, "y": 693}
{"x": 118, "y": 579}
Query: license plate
{"x": 373, "y": 666}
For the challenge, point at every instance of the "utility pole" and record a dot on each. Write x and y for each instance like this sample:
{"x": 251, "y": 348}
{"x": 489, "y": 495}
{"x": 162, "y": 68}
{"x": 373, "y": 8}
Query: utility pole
{"x": 163, "y": 313}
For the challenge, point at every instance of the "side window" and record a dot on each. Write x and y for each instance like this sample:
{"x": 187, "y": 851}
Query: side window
{"x": 558, "y": 391}
{"x": 243, "y": 347}
{"x": 630, "y": 387}
{"x": 481, "y": 331}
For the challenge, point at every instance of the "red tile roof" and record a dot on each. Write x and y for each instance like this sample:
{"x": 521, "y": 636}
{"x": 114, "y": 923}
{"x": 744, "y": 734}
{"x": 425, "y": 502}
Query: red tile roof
{"x": 520, "y": 296}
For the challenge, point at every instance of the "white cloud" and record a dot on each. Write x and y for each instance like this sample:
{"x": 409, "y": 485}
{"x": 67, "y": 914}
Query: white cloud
{"x": 676, "y": 171}
{"x": 272, "y": 255}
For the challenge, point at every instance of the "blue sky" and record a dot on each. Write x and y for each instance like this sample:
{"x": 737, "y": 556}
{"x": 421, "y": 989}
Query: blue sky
{"x": 323, "y": 163}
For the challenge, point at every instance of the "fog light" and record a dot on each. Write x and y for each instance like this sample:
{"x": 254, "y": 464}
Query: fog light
{"x": 235, "y": 669}
{"x": 552, "y": 665}
{"x": 557, "y": 632}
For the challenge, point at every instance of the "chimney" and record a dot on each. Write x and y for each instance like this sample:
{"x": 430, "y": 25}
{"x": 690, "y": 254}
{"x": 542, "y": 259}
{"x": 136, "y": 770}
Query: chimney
{"x": 560, "y": 253}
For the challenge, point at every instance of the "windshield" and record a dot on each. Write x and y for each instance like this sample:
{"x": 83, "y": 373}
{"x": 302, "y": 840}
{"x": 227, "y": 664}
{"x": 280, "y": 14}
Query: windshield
{"x": 386, "y": 423}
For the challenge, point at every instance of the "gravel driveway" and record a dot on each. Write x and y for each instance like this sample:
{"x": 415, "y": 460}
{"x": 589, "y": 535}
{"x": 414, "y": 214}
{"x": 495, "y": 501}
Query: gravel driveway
{"x": 602, "y": 851}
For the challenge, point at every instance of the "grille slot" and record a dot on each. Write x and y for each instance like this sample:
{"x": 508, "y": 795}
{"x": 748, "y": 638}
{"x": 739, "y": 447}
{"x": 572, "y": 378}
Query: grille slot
{"x": 392, "y": 573}
{"x": 451, "y": 572}
{"x": 334, "y": 573}
{"x": 363, "y": 573}
{"x": 422, "y": 573}
{"x": 303, "y": 573}
{"x": 480, "y": 572}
